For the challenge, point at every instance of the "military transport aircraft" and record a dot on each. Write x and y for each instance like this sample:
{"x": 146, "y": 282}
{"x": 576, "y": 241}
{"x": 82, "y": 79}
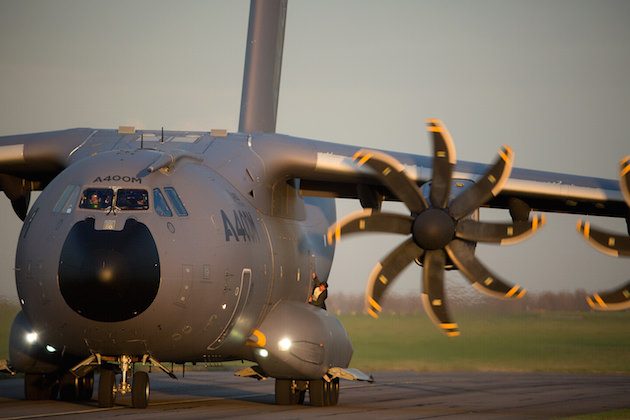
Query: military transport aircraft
{"x": 154, "y": 247}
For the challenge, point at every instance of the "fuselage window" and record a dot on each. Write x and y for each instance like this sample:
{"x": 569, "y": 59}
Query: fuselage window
{"x": 132, "y": 199}
{"x": 172, "y": 195}
{"x": 161, "y": 206}
{"x": 68, "y": 200}
{"x": 97, "y": 198}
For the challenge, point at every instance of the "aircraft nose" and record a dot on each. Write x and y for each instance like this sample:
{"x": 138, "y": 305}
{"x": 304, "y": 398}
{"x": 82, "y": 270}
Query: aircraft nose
{"x": 107, "y": 275}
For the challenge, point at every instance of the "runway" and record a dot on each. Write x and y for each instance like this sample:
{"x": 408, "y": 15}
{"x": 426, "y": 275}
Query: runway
{"x": 394, "y": 395}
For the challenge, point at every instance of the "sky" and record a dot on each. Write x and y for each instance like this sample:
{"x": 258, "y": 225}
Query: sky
{"x": 548, "y": 78}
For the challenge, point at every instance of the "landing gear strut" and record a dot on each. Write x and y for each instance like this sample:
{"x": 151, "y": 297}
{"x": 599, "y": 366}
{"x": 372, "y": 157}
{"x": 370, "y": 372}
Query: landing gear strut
{"x": 290, "y": 392}
{"x": 107, "y": 388}
{"x": 139, "y": 388}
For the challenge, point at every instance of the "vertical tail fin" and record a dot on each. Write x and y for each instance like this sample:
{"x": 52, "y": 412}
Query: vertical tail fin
{"x": 263, "y": 62}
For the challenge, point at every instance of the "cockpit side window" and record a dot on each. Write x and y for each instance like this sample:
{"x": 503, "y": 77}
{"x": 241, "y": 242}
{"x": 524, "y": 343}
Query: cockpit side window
{"x": 161, "y": 206}
{"x": 172, "y": 195}
{"x": 132, "y": 199}
{"x": 97, "y": 198}
{"x": 68, "y": 199}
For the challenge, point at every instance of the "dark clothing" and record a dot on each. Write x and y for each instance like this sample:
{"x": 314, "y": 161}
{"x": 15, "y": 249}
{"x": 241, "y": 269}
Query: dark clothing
{"x": 321, "y": 299}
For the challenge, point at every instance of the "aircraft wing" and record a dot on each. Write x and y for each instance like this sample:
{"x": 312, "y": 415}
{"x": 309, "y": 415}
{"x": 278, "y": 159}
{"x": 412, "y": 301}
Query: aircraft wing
{"x": 328, "y": 169}
{"x": 28, "y": 162}
{"x": 543, "y": 191}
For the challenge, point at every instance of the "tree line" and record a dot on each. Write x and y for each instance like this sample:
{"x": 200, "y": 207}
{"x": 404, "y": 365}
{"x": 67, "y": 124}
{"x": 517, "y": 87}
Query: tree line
{"x": 411, "y": 303}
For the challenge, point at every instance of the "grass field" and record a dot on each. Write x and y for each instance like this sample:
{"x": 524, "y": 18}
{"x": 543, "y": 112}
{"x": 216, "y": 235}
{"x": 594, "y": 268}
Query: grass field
{"x": 574, "y": 342}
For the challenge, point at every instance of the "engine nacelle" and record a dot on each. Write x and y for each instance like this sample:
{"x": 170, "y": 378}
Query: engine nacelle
{"x": 301, "y": 341}
{"x": 27, "y": 352}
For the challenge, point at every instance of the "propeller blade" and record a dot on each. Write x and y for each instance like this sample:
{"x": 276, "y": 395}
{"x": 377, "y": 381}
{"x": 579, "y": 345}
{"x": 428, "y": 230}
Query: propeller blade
{"x": 501, "y": 233}
{"x": 433, "y": 296}
{"x": 462, "y": 255}
{"x": 624, "y": 178}
{"x": 443, "y": 163}
{"x": 484, "y": 188}
{"x": 392, "y": 175}
{"x": 368, "y": 220}
{"x": 385, "y": 272}
{"x": 608, "y": 243}
{"x": 611, "y": 301}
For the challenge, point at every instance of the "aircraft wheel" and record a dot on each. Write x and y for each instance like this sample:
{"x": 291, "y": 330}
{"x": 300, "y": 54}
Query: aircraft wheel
{"x": 333, "y": 391}
{"x": 106, "y": 392}
{"x": 86, "y": 387}
{"x": 317, "y": 389}
{"x": 140, "y": 390}
{"x": 69, "y": 387}
{"x": 40, "y": 387}
{"x": 286, "y": 394}
{"x": 31, "y": 386}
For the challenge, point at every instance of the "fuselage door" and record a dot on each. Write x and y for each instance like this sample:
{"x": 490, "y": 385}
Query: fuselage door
{"x": 242, "y": 294}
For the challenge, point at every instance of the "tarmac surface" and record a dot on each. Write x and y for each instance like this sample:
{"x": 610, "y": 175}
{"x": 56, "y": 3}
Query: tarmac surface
{"x": 394, "y": 395}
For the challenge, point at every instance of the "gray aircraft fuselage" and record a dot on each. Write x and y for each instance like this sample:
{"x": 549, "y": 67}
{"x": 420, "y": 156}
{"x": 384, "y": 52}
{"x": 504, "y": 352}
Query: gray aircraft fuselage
{"x": 180, "y": 281}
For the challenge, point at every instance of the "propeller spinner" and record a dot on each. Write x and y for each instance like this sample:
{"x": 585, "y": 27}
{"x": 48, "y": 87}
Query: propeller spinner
{"x": 612, "y": 244}
{"x": 440, "y": 228}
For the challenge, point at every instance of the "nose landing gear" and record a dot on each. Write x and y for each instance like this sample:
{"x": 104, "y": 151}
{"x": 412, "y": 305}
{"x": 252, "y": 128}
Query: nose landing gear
{"x": 139, "y": 388}
{"x": 107, "y": 387}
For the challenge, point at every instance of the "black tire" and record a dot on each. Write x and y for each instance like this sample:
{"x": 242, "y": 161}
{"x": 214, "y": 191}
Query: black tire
{"x": 40, "y": 387}
{"x": 69, "y": 387}
{"x": 86, "y": 387}
{"x": 317, "y": 391}
{"x": 333, "y": 392}
{"x": 284, "y": 394}
{"x": 140, "y": 390}
{"x": 106, "y": 392}
{"x": 31, "y": 387}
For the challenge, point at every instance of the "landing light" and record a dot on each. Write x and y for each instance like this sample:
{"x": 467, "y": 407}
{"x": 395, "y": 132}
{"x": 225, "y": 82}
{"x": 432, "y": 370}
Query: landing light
{"x": 31, "y": 337}
{"x": 50, "y": 349}
{"x": 263, "y": 353}
{"x": 284, "y": 344}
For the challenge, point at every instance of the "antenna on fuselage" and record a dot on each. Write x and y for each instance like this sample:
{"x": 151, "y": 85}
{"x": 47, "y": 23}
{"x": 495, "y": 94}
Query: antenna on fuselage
{"x": 162, "y": 140}
{"x": 263, "y": 62}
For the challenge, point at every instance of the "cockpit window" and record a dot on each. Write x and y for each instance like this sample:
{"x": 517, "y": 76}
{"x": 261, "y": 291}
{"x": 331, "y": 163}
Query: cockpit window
{"x": 172, "y": 195}
{"x": 126, "y": 199}
{"x": 97, "y": 198}
{"x": 132, "y": 199}
{"x": 161, "y": 206}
